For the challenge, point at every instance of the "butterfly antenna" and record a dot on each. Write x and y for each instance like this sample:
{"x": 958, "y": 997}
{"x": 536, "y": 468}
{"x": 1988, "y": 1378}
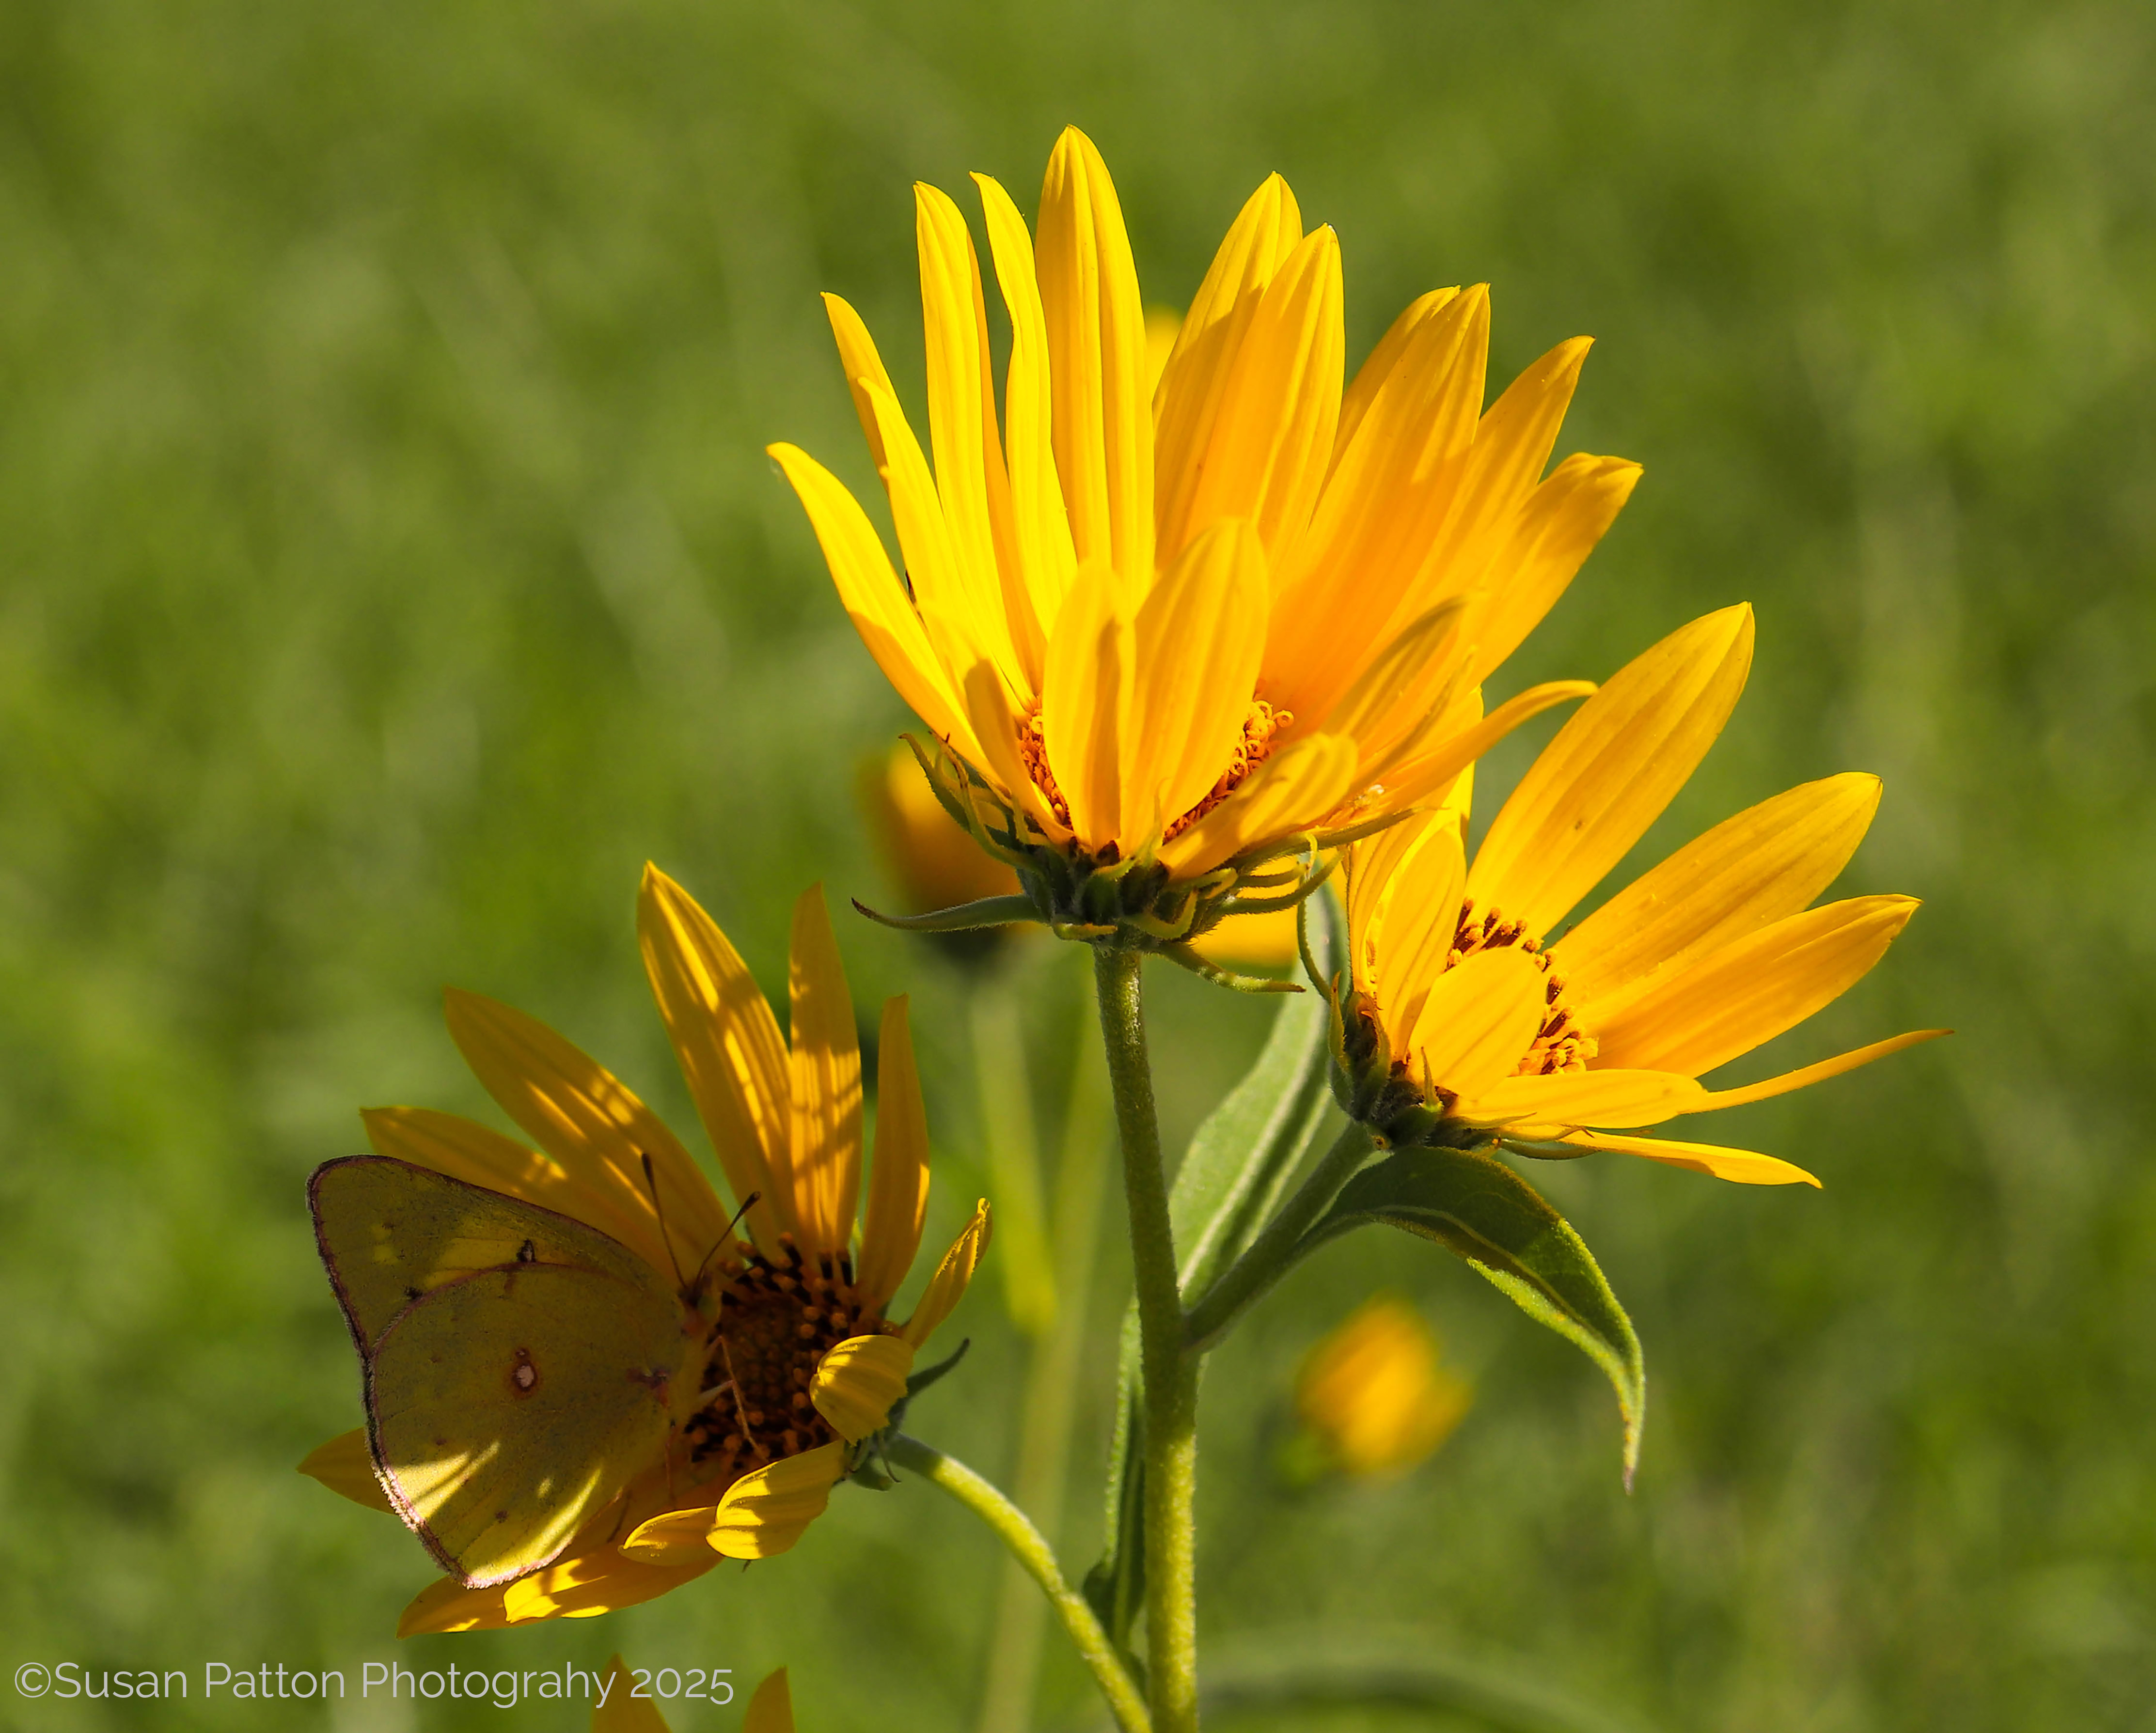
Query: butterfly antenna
{"x": 659, "y": 1209}
{"x": 726, "y": 1234}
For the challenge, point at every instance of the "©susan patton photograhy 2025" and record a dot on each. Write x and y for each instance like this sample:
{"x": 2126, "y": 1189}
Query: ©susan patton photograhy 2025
{"x": 1034, "y": 868}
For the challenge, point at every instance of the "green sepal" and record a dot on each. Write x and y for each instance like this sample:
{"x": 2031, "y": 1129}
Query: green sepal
{"x": 1478, "y": 1208}
{"x": 1205, "y": 969}
{"x": 966, "y": 918}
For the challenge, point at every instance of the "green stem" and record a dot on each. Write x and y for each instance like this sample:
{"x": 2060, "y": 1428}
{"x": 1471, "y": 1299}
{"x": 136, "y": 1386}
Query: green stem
{"x": 1026, "y": 1545}
{"x": 1041, "y": 1479}
{"x": 1272, "y": 1252}
{"x": 1170, "y": 1375}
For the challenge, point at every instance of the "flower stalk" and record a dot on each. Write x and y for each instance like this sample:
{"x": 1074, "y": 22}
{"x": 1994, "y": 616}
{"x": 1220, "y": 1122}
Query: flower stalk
{"x": 1016, "y": 1532}
{"x": 1169, "y": 1373}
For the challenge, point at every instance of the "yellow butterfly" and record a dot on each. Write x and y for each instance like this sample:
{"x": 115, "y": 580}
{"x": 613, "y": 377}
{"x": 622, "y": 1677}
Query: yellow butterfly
{"x": 520, "y": 1366}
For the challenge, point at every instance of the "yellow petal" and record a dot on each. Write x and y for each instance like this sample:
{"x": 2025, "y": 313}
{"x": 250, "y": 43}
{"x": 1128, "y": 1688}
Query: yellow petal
{"x": 728, "y": 1043}
{"x": 1187, "y": 401}
{"x": 1086, "y": 701}
{"x": 1377, "y": 365}
{"x": 996, "y": 724}
{"x": 1804, "y": 1076}
{"x": 863, "y": 365}
{"x": 1512, "y": 443}
{"x": 1419, "y": 921}
{"x": 764, "y": 1513}
{"x": 1271, "y": 439}
{"x": 948, "y": 1284}
{"x": 1574, "y": 1099}
{"x": 597, "y": 1581}
{"x": 1407, "y": 687}
{"x": 1477, "y": 1020}
{"x": 1096, "y": 349}
{"x": 771, "y": 1710}
{"x": 482, "y": 1156}
{"x": 825, "y": 1068}
{"x": 1372, "y": 872}
{"x": 1195, "y": 645}
{"x": 959, "y": 597}
{"x": 898, "y": 1182}
{"x": 1766, "y": 862}
{"x": 1611, "y": 771}
{"x": 970, "y": 479}
{"x": 1043, "y": 531}
{"x": 619, "y": 1710}
{"x": 345, "y": 1466}
{"x": 857, "y": 1381}
{"x": 1446, "y": 752}
{"x": 447, "y": 1604}
{"x": 1732, "y": 999}
{"x": 875, "y": 599}
{"x": 1541, "y": 550}
{"x": 1744, "y": 1166}
{"x": 592, "y": 1125}
{"x": 1294, "y": 791}
{"x": 1340, "y": 590}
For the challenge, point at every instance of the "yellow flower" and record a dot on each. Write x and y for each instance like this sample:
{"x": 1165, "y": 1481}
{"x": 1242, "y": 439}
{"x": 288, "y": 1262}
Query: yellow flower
{"x": 1373, "y": 1394}
{"x": 1165, "y": 634}
{"x": 620, "y": 1710}
{"x": 803, "y": 1365}
{"x": 934, "y": 861}
{"x": 1466, "y": 1028}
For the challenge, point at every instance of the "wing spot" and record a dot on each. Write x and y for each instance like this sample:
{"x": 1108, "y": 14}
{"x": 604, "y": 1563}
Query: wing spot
{"x": 523, "y": 1375}
{"x": 527, "y": 1253}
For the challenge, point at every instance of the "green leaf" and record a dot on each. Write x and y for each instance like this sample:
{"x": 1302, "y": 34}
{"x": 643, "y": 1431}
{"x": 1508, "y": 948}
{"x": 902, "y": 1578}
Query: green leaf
{"x": 1242, "y": 1157}
{"x": 1114, "y": 1586}
{"x": 1478, "y": 1208}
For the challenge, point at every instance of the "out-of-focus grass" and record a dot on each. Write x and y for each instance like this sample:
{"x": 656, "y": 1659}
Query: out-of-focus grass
{"x": 391, "y": 567}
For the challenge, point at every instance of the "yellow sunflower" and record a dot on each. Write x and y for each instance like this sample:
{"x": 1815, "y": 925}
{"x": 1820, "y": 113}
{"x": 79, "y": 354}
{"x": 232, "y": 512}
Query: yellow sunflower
{"x": 802, "y": 1364}
{"x": 1466, "y": 1023}
{"x": 1164, "y": 633}
{"x": 1374, "y": 1395}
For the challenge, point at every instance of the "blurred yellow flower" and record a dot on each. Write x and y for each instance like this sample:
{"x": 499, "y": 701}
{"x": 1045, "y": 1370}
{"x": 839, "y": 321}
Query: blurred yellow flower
{"x": 621, "y": 1710}
{"x": 1165, "y": 633}
{"x": 802, "y": 1364}
{"x": 1373, "y": 1394}
{"x": 1563, "y": 1050}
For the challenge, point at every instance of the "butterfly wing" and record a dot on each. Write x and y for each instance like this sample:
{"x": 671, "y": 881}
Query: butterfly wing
{"x": 504, "y": 1407}
{"x": 521, "y": 1365}
{"x": 390, "y": 1231}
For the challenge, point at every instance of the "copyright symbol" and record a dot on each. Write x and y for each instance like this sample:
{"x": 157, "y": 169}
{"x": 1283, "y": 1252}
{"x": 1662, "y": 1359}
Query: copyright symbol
{"x": 33, "y": 1679}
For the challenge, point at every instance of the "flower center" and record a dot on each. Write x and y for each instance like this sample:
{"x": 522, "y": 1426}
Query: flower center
{"x": 778, "y": 1321}
{"x": 1560, "y": 1044}
{"x": 1261, "y": 726}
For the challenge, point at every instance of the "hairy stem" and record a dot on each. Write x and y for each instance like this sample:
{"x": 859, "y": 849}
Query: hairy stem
{"x": 1270, "y": 1254}
{"x": 1170, "y": 1375}
{"x": 1016, "y": 1532}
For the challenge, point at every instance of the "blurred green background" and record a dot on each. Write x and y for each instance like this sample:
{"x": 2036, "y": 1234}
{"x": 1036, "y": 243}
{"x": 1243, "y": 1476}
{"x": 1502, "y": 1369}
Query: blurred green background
{"x": 391, "y": 567}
